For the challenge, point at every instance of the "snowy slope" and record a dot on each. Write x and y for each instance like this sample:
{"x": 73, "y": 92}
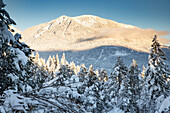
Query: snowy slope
{"x": 165, "y": 106}
{"x": 87, "y": 32}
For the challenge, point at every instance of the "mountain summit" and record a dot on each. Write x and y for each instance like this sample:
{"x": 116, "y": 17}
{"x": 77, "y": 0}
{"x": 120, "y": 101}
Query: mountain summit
{"x": 86, "y": 32}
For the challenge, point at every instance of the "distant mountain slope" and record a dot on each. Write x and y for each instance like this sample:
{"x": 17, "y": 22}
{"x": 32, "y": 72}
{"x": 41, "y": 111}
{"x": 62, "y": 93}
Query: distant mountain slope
{"x": 104, "y": 57}
{"x": 87, "y": 32}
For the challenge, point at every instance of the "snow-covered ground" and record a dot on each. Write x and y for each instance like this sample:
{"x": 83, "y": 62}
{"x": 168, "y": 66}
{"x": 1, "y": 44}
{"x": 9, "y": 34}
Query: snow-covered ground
{"x": 116, "y": 110}
{"x": 165, "y": 105}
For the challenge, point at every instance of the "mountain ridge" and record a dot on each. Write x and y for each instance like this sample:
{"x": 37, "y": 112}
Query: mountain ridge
{"x": 86, "y": 32}
{"x": 86, "y": 16}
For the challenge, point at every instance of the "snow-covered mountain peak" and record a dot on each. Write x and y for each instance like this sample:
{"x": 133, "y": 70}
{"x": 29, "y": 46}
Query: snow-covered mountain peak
{"x": 86, "y": 16}
{"x": 63, "y": 17}
{"x": 86, "y": 32}
{"x": 79, "y": 17}
{"x": 85, "y": 20}
{"x": 91, "y": 21}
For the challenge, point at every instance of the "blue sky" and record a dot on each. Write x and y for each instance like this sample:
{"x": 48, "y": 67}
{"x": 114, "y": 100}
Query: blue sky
{"x": 153, "y": 14}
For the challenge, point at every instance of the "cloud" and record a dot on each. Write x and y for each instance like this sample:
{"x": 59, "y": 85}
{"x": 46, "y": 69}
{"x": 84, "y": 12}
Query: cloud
{"x": 132, "y": 34}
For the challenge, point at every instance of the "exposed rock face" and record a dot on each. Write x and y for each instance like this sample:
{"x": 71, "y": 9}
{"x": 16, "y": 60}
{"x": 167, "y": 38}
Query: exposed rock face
{"x": 87, "y": 32}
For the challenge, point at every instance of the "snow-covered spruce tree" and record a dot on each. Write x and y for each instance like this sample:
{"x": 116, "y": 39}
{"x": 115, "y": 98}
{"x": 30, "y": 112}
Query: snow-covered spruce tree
{"x": 39, "y": 76}
{"x": 62, "y": 76}
{"x": 14, "y": 57}
{"x": 129, "y": 91}
{"x": 124, "y": 94}
{"x": 14, "y": 72}
{"x": 143, "y": 72}
{"x": 57, "y": 63}
{"x": 53, "y": 64}
{"x": 114, "y": 82}
{"x": 63, "y": 60}
{"x": 156, "y": 78}
{"x": 95, "y": 98}
{"x": 119, "y": 70}
{"x": 92, "y": 78}
{"x": 102, "y": 90}
{"x": 38, "y": 72}
{"x": 83, "y": 82}
{"x": 42, "y": 63}
{"x": 49, "y": 63}
{"x": 36, "y": 58}
{"x": 102, "y": 75}
{"x": 75, "y": 68}
{"x": 91, "y": 89}
{"x": 63, "y": 89}
{"x": 93, "y": 92}
{"x": 50, "y": 66}
{"x": 82, "y": 74}
{"x": 134, "y": 90}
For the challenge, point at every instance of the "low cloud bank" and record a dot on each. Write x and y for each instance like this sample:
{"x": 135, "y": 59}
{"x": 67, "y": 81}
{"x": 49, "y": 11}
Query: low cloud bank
{"x": 133, "y": 34}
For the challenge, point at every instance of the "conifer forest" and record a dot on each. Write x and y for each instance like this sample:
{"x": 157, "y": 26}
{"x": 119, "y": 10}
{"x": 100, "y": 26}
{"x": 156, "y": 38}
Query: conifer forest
{"x": 31, "y": 84}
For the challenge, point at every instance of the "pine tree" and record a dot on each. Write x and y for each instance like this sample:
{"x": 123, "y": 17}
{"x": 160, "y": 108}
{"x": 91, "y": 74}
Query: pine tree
{"x": 93, "y": 92}
{"x": 129, "y": 91}
{"x": 57, "y": 63}
{"x": 73, "y": 67}
{"x": 49, "y": 63}
{"x": 91, "y": 76}
{"x": 39, "y": 76}
{"x": 19, "y": 77}
{"x": 133, "y": 75}
{"x": 14, "y": 72}
{"x": 124, "y": 94}
{"x": 82, "y": 87}
{"x": 37, "y": 59}
{"x": 53, "y": 64}
{"x": 143, "y": 72}
{"x": 120, "y": 70}
{"x": 104, "y": 97}
{"x": 156, "y": 76}
{"x": 14, "y": 56}
{"x": 95, "y": 97}
{"x": 102, "y": 75}
{"x": 61, "y": 77}
{"x": 114, "y": 82}
{"x": 42, "y": 63}
{"x": 82, "y": 74}
{"x": 64, "y": 86}
{"x": 50, "y": 66}
{"x": 63, "y": 60}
